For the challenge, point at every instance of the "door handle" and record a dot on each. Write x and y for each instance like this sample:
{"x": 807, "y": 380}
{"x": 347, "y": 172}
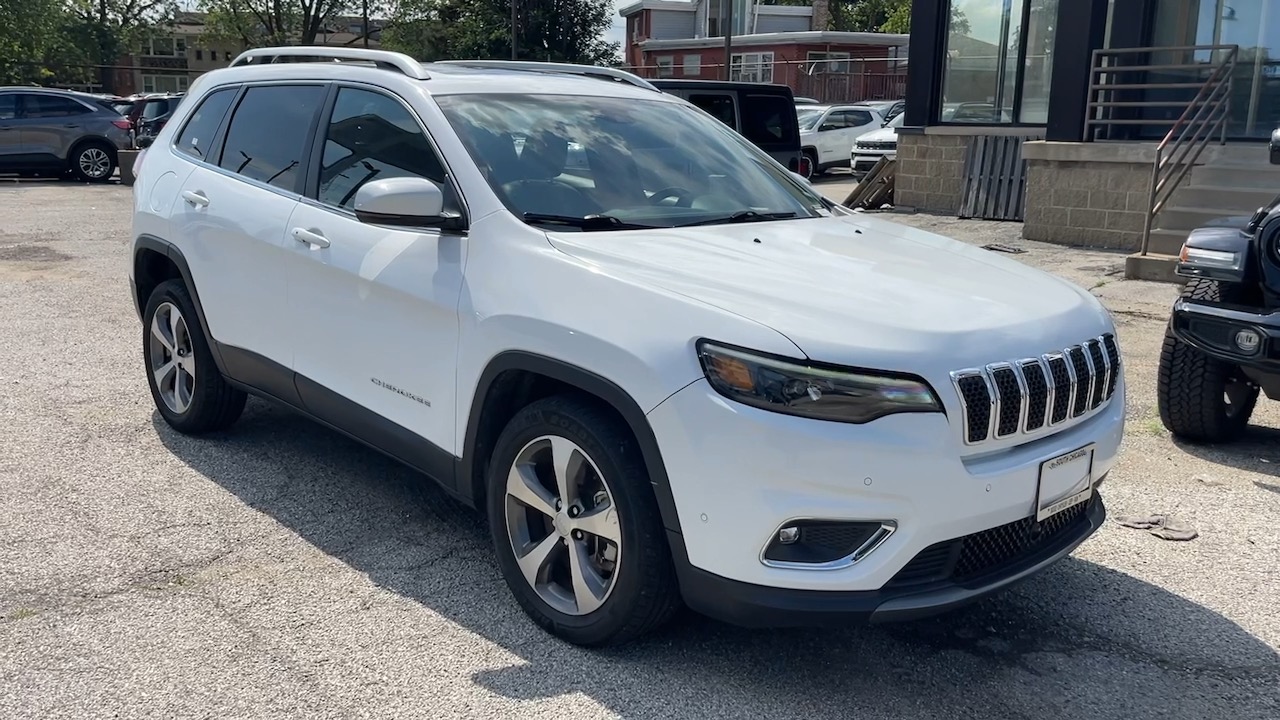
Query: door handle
{"x": 310, "y": 237}
{"x": 195, "y": 198}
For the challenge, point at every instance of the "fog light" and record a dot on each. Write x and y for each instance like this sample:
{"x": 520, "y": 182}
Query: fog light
{"x": 1248, "y": 341}
{"x": 788, "y": 535}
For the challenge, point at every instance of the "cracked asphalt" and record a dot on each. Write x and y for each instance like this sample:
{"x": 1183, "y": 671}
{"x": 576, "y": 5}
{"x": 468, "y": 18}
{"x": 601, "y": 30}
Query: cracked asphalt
{"x": 279, "y": 570}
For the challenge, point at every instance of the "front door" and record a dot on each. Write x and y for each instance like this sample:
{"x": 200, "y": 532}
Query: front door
{"x": 374, "y": 309}
{"x": 233, "y": 218}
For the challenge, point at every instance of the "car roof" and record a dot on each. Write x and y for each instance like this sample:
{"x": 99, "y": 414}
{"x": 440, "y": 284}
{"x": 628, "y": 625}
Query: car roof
{"x": 390, "y": 69}
{"x": 839, "y": 106}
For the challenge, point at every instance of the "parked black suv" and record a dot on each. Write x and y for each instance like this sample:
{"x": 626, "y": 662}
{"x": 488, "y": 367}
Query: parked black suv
{"x": 1222, "y": 346}
{"x": 763, "y": 113}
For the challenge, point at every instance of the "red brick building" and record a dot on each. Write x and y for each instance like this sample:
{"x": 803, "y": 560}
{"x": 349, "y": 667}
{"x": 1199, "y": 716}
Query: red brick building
{"x": 770, "y": 43}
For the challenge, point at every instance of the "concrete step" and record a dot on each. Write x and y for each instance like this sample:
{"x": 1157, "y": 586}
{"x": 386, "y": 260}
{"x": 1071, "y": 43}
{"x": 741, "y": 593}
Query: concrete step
{"x": 1190, "y": 218}
{"x": 1237, "y": 175}
{"x": 1167, "y": 242}
{"x": 1244, "y": 199}
{"x": 1152, "y": 266}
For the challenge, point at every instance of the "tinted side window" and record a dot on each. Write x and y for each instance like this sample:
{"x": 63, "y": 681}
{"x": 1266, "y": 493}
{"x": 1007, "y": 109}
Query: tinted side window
{"x": 8, "y": 106}
{"x": 857, "y": 118}
{"x": 268, "y": 133}
{"x": 197, "y": 137}
{"x": 47, "y": 106}
{"x": 719, "y": 106}
{"x": 769, "y": 119}
{"x": 371, "y": 135}
{"x": 154, "y": 109}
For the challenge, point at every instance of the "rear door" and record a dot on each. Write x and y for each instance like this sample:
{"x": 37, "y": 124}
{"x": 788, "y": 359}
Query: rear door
{"x": 50, "y": 124}
{"x": 233, "y": 211}
{"x": 10, "y": 138}
{"x": 769, "y": 122}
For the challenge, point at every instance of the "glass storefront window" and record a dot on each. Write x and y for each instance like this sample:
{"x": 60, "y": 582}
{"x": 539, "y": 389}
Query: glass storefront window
{"x": 999, "y": 58}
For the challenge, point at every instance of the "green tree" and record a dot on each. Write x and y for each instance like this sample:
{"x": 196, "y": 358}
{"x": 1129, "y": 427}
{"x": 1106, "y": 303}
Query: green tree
{"x": 105, "y": 30}
{"x": 262, "y": 23}
{"x": 549, "y": 30}
{"x": 31, "y": 32}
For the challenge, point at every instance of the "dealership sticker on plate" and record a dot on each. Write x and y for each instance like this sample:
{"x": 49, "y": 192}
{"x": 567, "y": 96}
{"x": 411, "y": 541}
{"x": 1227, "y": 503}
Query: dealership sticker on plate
{"x": 1065, "y": 481}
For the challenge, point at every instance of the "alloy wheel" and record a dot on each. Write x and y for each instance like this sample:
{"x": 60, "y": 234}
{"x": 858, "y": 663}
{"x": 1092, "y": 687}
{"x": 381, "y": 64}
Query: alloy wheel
{"x": 563, "y": 525}
{"x": 172, "y": 358}
{"x": 95, "y": 163}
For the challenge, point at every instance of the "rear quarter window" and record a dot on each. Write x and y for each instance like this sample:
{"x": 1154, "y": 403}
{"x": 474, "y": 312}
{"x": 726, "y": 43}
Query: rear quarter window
{"x": 196, "y": 138}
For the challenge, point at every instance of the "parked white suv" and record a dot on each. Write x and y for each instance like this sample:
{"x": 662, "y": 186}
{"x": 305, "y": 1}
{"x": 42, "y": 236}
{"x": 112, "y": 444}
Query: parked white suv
{"x": 670, "y": 373}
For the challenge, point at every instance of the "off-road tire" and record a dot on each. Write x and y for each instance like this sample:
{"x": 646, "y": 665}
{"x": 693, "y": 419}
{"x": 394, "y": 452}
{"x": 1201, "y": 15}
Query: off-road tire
{"x": 1191, "y": 386}
{"x": 215, "y": 404}
{"x": 645, "y": 594}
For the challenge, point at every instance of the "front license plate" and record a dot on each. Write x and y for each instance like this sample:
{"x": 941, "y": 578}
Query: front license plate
{"x": 1065, "y": 481}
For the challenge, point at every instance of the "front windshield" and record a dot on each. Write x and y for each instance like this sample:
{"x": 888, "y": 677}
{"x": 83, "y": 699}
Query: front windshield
{"x": 554, "y": 159}
{"x": 808, "y": 117}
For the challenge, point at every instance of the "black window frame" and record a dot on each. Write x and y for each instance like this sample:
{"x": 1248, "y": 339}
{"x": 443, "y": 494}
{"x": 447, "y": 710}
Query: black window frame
{"x": 455, "y": 200}
{"x": 219, "y": 131}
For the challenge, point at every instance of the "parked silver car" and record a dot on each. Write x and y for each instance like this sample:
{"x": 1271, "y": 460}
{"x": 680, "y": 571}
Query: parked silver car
{"x": 46, "y": 131}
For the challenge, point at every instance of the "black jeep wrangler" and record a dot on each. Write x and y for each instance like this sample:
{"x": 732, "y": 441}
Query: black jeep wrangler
{"x": 1222, "y": 345}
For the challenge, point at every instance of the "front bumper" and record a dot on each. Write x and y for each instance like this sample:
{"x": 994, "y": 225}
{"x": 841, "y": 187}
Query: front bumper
{"x": 738, "y": 474}
{"x": 861, "y": 161}
{"x": 750, "y": 605}
{"x": 1213, "y": 329}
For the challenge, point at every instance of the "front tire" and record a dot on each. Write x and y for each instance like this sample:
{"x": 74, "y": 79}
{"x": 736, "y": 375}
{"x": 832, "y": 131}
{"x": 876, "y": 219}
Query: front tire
{"x": 186, "y": 385}
{"x": 812, "y": 165}
{"x": 1203, "y": 399}
{"x": 576, "y": 526}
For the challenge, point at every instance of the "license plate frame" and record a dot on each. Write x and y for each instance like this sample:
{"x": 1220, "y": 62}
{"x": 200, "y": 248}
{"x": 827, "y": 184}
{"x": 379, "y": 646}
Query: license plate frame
{"x": 1075, "y": 492}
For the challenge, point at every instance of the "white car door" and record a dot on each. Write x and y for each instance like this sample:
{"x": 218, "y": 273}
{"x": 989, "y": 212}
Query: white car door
{"x": 374, "y": 309}
{"x": 232, "y": 211}
{"x": 827, "y": 135}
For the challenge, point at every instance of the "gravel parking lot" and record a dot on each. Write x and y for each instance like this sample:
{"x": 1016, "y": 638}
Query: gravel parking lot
{"x": 280, "y": 570}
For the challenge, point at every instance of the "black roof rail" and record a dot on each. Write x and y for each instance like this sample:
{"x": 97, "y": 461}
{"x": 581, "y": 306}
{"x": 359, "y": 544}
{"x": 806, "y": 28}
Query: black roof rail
{"x": 383, "y": 59}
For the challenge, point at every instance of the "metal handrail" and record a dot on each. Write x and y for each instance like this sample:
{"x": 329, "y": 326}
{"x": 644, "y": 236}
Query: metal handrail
{"x": 1205, "y": 117}
{"x": 1107, "y": 77}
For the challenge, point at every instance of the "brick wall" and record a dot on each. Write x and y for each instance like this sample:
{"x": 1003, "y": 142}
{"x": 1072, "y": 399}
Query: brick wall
{"x": 930, "y": 172}
{"x": 1099, "y": 204}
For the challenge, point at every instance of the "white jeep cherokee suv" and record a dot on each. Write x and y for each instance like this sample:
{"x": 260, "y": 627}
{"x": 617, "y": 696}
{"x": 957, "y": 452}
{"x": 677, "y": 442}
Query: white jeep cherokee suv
{"x": 670, "y": 372}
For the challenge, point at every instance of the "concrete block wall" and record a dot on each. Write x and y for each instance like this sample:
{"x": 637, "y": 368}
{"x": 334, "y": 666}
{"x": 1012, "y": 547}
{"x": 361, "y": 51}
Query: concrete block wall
{"x": 1089, "y": 203}
{"x": 930, "y": 172}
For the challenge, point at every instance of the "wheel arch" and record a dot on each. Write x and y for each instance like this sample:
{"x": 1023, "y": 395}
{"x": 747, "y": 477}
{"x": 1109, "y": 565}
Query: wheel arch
{"x": 512, "y": 380}
{"x": 155, "y": 261}
{"x": 106, "y": 144}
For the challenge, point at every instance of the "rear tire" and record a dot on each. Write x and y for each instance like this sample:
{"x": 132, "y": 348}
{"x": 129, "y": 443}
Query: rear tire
{"x": 186, "y": 385}
{"x": 93, "y": 162}
{"x": 812, "y": 164}
{"x": 610, "y": 581}
{"x": 1203, "y": 399}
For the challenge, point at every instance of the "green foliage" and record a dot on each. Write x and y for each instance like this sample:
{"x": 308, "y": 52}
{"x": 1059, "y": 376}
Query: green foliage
{"x": 262, "y": 23}
{"x": 887, "y": 16}
{"x": 30, "y": 34}
{"x": 549, "y": 30}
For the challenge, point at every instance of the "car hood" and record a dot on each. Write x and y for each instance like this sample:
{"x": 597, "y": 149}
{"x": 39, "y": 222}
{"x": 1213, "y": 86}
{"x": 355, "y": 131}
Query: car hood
{"x": 857, "y": 289}
{"x": 885, "y": 134}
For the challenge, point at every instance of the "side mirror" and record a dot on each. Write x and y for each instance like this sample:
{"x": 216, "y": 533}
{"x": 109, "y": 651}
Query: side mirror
{"x": 827, "y": 126}
{"x": 143, "y": 142}
{"x": 403, "y": 202}
{"x": 1275, "y": 146}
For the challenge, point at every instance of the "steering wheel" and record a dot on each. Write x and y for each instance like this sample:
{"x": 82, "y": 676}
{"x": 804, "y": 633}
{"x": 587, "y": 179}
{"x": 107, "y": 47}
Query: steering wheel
{"x": 684, "y": 195}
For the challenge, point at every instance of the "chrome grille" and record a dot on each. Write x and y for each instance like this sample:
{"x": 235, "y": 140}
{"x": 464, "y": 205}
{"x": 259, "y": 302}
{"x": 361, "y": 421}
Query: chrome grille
{"x": 1024, "y": 396}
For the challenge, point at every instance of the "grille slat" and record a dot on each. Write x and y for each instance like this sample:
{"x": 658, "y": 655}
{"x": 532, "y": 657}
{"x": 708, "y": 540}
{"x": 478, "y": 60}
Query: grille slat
{"x": 1008, "y": 398}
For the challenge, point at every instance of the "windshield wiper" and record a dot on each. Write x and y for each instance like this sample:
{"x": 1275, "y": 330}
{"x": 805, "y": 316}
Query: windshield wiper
{"x": 742, "y": 216}
{"x": 586, "y": 223}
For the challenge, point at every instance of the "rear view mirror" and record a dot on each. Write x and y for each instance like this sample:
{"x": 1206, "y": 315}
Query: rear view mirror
{"x": 403, "y": 201}
{"x": 1275, "y": 146}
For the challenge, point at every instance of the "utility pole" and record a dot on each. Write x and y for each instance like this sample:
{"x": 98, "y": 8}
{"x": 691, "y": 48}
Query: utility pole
{"x": 727, "y": 26}
{"x": 514, "y": 38}
{"x": 364, "y": 7}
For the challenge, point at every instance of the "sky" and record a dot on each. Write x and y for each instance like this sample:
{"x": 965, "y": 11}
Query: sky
{"x": 618, "y": 31}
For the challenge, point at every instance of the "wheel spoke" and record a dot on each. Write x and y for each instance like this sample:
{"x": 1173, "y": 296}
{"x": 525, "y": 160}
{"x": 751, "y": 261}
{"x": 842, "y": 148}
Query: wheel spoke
{"x": 589, "y": 589}
{"x": 175, "y": 323}
{"x": 163, "y": 373}
{"x": 523, "y": 485}
{"x": 567, "y": 461}
{"x": 532, "y": 562}
{"x": 158, "y": 330}
{"x": 602, "y": 522}
{"x": 183, "y": 384}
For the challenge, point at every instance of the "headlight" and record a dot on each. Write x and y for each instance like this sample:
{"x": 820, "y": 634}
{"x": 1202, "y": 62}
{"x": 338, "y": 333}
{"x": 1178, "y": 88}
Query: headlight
{"x": 812, "y": 391}
{"x": 1224, "y": 259}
